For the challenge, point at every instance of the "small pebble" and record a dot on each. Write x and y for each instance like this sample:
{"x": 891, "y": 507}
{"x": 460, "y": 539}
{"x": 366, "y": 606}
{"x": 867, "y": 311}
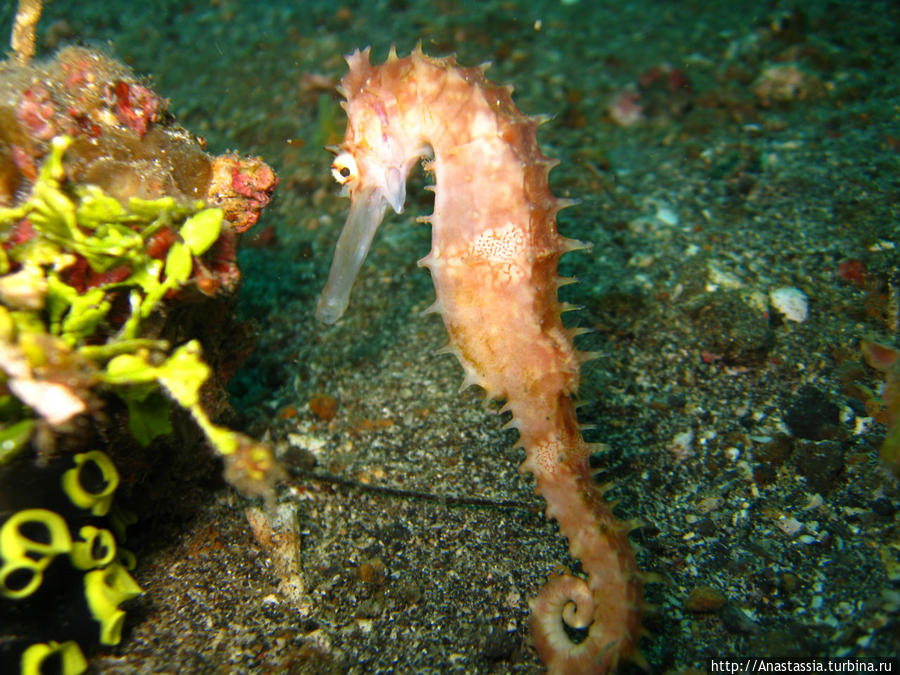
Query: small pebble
{"x": 704, "y": 599}
{"x": 791, "y": 303}
{"x": 789, "y": 582}
{"x": 324, "y": 407}
{"x": 737, "y": 621}
{"x": 790, "y": 526}
{"x": 371, "y": 571}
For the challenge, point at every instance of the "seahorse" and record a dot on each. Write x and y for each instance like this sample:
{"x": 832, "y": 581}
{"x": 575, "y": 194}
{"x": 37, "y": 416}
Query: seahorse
{"x": 493, "y": 261}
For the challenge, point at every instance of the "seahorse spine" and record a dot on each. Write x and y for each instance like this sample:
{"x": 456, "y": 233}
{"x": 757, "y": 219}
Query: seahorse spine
{"x": 493, "y": 260}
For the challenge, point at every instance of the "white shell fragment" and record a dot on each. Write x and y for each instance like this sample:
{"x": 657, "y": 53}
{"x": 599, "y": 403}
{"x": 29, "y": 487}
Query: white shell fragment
{"x": 792, "y": 303}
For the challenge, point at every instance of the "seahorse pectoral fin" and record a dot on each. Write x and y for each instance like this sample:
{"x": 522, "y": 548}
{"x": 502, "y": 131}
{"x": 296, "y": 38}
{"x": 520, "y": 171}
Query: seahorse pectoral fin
{"x": 395, "y": 188}
{"x": 367, "y": 207}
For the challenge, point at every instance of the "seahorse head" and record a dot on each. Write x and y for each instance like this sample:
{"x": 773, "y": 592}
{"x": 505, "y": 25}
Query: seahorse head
{"x": 368, "y": 201}
{"x": 372, "y": 181}
{"x": 382, "y": 144}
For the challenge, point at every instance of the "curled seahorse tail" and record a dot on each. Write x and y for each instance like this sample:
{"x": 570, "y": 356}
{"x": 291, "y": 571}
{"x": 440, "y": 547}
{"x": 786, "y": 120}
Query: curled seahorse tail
{"x": 609, "y": 603}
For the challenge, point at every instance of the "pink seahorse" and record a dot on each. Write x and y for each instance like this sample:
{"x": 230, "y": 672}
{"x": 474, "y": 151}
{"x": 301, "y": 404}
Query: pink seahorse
{"x": 493, "y": 261}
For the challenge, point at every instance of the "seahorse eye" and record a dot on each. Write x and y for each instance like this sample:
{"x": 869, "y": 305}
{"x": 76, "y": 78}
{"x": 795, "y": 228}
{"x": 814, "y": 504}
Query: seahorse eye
{"x": 344, "y": 168}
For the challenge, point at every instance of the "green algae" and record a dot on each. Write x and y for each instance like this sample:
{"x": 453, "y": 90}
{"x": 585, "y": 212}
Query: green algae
{"x": 66, "y": 336}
